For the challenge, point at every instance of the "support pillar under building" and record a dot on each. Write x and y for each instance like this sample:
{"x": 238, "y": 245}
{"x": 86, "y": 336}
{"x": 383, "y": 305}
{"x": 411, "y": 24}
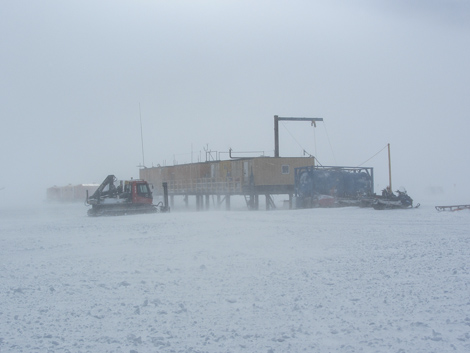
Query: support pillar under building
{"x": 199, "y": 202}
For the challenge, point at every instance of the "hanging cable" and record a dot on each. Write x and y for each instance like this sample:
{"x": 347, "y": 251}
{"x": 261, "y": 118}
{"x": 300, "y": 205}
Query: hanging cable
{"x": 373, "y": 155}
{"x": 329, "y": 142}
{"x": 314, "y": 140}
{"x": 303, "y": 149}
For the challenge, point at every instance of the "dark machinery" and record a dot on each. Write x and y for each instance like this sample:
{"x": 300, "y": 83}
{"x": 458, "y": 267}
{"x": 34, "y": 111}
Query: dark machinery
{"x": 389, "y": 200}
{"x": 133, "y": 196}
{"x": 322, "y": 186}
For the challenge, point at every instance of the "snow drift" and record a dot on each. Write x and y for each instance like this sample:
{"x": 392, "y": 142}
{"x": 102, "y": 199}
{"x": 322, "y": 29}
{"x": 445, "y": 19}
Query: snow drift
{"x": 317, "y": 280}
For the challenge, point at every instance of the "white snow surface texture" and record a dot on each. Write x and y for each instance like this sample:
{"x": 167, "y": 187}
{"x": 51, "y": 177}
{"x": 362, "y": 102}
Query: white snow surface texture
{"x": 318, "y": 280}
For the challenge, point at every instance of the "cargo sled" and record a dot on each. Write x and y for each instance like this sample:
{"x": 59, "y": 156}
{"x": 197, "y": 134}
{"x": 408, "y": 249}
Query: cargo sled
{"x": 452, "y": 208}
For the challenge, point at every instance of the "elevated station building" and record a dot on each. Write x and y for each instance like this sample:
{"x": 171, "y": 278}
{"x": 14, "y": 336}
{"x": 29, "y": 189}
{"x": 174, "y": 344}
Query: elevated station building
{"x": 70, "y": 193}
{"x": 248, "y": 177}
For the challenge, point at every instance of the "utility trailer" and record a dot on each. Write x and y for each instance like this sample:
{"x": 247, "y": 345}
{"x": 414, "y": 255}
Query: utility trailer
{"x": 332, "y": 186}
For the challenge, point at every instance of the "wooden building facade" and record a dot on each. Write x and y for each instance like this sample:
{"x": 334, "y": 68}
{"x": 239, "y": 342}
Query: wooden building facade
{"x": 249, "y": 177}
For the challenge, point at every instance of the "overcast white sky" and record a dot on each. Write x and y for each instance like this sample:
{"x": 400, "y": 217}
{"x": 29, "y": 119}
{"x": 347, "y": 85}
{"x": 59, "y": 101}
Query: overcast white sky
{"x": 214, "y": 73}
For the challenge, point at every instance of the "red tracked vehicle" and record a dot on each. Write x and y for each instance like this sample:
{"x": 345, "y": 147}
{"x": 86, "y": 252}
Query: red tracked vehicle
{"x": 113, "y": 198}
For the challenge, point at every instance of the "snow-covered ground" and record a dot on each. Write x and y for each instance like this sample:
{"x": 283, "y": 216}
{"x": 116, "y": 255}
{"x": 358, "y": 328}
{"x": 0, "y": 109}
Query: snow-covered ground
{"x": 321, "y": 280}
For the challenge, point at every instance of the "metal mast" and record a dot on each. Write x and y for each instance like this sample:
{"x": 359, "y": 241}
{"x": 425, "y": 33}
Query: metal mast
{"x": 389, "y": 169}
{"x": 142, "y": 138}
{"x": 276, "y": 129}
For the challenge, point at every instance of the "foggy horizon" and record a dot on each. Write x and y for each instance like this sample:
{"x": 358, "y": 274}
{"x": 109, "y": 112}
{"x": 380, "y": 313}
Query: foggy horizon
{"x": 78, "y": 77}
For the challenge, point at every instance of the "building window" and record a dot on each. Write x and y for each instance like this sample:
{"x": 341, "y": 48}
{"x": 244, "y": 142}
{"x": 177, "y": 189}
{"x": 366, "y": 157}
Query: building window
{"x": 285, "y": 169}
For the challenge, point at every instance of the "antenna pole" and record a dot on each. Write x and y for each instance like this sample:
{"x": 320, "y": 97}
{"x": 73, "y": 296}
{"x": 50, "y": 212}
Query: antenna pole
{"x": 389, "y": 169}
{"x": 142, "y": 138}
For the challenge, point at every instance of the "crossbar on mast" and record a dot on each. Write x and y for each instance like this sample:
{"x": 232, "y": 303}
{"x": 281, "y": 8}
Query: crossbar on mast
{"x": 276, "y": 128}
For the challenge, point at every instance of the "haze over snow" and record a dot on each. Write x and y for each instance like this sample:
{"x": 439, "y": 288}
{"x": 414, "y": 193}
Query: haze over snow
{"x": 212, "y": 74}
